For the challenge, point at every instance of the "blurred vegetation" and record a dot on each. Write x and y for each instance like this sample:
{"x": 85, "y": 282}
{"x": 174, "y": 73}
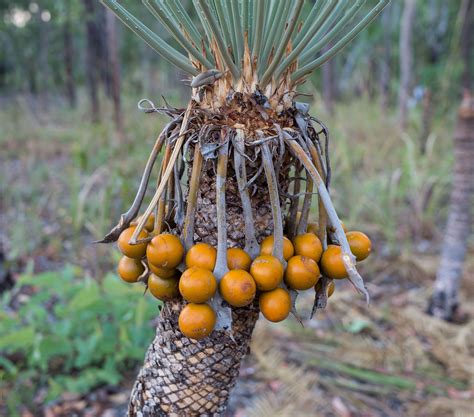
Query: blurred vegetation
{"x": 70, "y": 335}
{"x": 68, "y": 324}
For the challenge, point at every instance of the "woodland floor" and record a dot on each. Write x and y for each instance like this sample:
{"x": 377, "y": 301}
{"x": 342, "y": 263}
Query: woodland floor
{"x": 389, "y": 359}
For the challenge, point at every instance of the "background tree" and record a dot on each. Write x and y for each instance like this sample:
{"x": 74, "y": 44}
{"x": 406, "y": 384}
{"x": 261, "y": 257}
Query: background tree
{"x": 406, "y": 59}
{"x": 69, "y": 50}
{"x": 445, "y": 300}
{"x": 92, "y": 53}
{"x": 113, "y": 56}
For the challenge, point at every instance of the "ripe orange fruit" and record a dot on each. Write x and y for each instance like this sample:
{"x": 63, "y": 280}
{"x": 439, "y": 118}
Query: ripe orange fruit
{"x": 163, "y": 289}
{"x": 197, "y": 285}
{"x": 308, "y": 245}
{"x": 267, "y": 271}
{"x": 130, "y": 269}
{"x": 197, "y": 321}
{"x": 332, "y": 264}
{"x": 332, "y": 229}
{"x": 132, "y": 251}
{"x": 313, "y": 228}
{"x": 150, "y": 223}
{"x": 165, "y": 251}
{"x": 360, "y": 244}
{"x": 275, "y": 305}
{"x": 238, "y": 259}
{"x": 238, "y": 288}
{"x": 164, "y": 273}
{"x": 201, "y": 255}
{"x": 330, "y": 288}
{"x": 266, "y": 247}
{"x": 301, "y": 273}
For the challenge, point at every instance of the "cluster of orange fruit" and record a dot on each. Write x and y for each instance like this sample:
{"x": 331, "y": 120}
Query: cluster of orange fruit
{"x": 265, "y": 274}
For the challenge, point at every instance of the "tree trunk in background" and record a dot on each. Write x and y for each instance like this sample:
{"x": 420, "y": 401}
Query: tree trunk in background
{"x": 103, "y": 53}
{"x": 328, "y": 75}
{"x": 406, "y": 59}
{"x": 92, "y": 34}
{"x": 146, "y": 69}
{"x": 445, "y": 300}
{"x": 438, "y": 24}
{"x": 43, "y": 62}
{"x": 385, "y": 70}
{"x": 426, "y": 119}
{"x": 114, "y": 71}
{"x": 69, "y": 60}
{"x": 467, "y": 45}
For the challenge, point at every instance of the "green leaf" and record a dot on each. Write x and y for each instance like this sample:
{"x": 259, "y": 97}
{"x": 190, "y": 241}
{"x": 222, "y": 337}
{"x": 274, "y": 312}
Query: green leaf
{"x": 86, "y": 349}
{"x": 21, "y": 340}
{"x": 8, "y": 366}
{"x": 86, "y": 297}
{"x": 46, "y": 280}
{"x": 109, "y": 372}
{"x": 55, "y": 390}
{"x": 52, "y": 346}
{"x": 113, "y": 286}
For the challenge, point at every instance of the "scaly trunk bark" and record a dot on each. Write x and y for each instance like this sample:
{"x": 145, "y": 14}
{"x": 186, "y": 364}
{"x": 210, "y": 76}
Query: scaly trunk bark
{"x": 406, "y": 59}
{"x": 185, "y": 377}
{"x": 445, "y": 300}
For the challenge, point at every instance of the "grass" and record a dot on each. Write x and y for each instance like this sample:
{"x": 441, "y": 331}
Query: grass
{"x": 382, "y": 180}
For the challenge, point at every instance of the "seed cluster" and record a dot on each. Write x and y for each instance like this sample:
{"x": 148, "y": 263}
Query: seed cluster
{"x": 169, "y": 272}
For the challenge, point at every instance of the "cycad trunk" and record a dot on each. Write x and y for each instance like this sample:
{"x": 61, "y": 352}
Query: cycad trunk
{"x": 445, "y": 300}
{"x": 185, "y": 377}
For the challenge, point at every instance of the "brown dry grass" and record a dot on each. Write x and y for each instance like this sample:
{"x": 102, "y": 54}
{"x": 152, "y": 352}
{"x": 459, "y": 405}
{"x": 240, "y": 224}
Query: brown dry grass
{"x": 390, "y": 359}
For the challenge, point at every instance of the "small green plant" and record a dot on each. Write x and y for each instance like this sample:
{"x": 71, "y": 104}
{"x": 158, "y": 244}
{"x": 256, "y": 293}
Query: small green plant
{"x": 70, "y": 335}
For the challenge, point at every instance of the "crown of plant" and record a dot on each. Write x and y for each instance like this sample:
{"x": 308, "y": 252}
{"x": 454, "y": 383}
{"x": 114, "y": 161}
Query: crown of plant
{"x": 259, "y": 42}
{"x": 242, "y": 128}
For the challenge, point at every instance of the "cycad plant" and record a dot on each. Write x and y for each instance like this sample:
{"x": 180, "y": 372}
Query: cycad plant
{"x": 241, "y": 166}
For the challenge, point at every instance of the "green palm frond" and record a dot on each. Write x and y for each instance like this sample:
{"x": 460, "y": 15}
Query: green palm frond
{"x": 282, "y": 35}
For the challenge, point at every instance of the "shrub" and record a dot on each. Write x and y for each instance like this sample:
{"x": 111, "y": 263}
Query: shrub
{"x": 71, "y": 334}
